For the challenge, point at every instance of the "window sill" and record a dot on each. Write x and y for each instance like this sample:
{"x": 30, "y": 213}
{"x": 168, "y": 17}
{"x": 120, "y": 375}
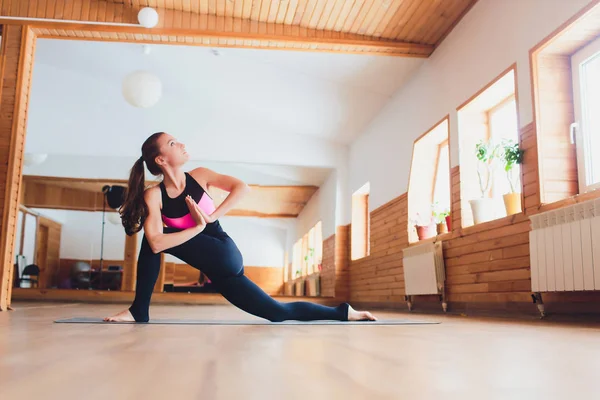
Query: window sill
{"x": 578, "y": 198}
{"x": 359, "y": 258}
{"x": 442, "y": 236}
{"x": 499, "y": 222}
{"x": 305, "y": 277}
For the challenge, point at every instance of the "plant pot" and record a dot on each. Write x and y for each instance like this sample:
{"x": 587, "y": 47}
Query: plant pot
{"x": 483, "y": 209}
{"x": 441, "y": 228}
{"x": 299, "y": 288}
{"x": 426, "y": 232}
{"x": 512, "y": 202}
{"x": 311, "y": 286}
{"x": 288, "y": 288}
{"x": 449, "y": 222}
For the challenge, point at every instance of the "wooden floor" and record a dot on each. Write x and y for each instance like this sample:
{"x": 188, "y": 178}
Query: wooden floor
{"x": 461, "y": 358}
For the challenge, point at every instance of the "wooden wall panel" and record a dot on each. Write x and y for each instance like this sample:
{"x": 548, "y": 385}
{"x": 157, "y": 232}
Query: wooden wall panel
{"x": 557, "y": 156}
{"x": 456, "y": 211}
{"x": 16, "y": 64}
{"x": 335, "y": 270}
{"x": 530, "y": 177}
{"x": 40, "y": 195}
{"x": 328, "y": 267}
{"x": 160, "y": 282}
{"x": 270, "y": 279}
{"x": 52, "y": 262}
{"x": 342, "y": 263}
{"x": 130, "y": 262}
{"x": 487, "y": 265}
{"x": 86, "y": 195}
{"x": 379, "y": 278}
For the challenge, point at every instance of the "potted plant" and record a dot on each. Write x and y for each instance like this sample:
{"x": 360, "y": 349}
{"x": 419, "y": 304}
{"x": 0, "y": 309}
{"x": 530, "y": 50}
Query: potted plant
{"x": 511, "y": 155}
{"x": 299, "y": 284}
{"x": 441, "y": 219}
{"x": 308, "y": 258}
{"x": 425, "y": 227}
{"x": 482, "y": 208}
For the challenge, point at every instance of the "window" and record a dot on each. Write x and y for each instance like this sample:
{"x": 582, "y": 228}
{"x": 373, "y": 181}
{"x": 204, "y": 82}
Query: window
{"x": 297, "y": 260}
{"x": 429, "y": 184}
{"x": 441, "y": 185}
{"x": 503, "y": 126}
{"x": 359, "y": 231}
{"x": 565, "y": 97}
{"x": 585, "y": 65}
{"x": 318, "y": 257}
{"x": 286, "y": 267}
{"x": 308, "y": 253}
{"x": 489, "y": 145}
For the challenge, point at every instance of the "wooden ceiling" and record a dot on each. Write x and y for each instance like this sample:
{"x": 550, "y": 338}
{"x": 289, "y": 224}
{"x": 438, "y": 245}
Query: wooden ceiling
{"x": 86, "y": 195}
{"x": 391, "y": 27}
{"x": 416, "y": 21}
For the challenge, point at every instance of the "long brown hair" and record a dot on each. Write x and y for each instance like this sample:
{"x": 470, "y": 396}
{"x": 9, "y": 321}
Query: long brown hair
{"x": 134, "y": 210}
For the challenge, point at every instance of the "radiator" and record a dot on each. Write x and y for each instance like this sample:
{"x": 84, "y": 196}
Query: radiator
{"x": 424, "y": 271}
{"x": 564, "y": 248}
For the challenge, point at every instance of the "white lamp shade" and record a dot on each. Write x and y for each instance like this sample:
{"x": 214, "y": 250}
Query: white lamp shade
{"x": 148, "y": 17}
{"x": 142, "y": 89}
{"x": 31, "y": 159}
{"x": 114, "y": 218}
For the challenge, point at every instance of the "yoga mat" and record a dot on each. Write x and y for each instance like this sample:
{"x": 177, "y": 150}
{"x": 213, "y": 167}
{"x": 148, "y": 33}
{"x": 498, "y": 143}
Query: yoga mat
{"x": 85, "y": 320}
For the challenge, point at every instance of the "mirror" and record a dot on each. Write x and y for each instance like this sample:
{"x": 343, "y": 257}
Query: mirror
{"x": 83, "y": 137}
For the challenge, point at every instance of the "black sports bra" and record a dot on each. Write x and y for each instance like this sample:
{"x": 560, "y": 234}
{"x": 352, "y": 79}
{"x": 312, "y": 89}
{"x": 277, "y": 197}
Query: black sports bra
{"x": 175, "y": 212}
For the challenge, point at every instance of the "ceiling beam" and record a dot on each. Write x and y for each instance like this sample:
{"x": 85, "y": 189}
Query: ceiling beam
{"x": 101, "y": 20}
{"x": 86, "y": 195}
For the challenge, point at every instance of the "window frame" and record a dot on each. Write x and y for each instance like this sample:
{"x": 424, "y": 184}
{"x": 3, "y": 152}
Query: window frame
{"x": 360, "y": 248}
{"x": 445, "y": 143}
{"x": 415, "y": 192}
{"x": 581, "y": 140}
{"x": 490, "y": 135}
{"x": 468, "y": 159}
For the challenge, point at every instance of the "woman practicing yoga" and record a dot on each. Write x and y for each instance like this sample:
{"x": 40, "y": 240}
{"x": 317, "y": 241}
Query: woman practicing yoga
{"x": 194, "y": 235}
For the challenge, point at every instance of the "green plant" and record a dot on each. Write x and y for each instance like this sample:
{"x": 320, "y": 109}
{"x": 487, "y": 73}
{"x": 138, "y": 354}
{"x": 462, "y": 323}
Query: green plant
{"x": 438, "y": 213}
{"x": 440, "y": 216}
{"x": 308, "y": 258}
{"x": 511, "y": 155}
{"x": 486, "y": 153}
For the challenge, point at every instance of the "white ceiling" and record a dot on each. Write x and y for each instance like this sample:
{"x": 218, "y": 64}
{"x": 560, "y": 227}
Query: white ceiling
{"x": 262, "y": 107}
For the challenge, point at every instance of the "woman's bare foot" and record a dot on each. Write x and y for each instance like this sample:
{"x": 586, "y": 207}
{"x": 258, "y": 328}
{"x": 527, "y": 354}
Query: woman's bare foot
{"x": 354, "y": 315}
{"x": 123, "y": 316}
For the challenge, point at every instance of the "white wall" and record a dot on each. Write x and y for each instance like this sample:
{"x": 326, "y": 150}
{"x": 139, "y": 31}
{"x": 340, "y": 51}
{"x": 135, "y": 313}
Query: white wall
{"x": 262, "y": 243}
{"x": 94, "y": 118}
{"x": 81, "y": 237}
{"x": 343, "y": 209}
{"x": 59, "y": 216}
{"x": 29, "y": 239}
{"x": 491, "y": 37}
{"x": 321, "y": 207}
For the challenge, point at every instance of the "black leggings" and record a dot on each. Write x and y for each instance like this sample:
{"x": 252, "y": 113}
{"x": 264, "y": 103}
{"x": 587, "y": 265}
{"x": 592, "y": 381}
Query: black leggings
{"x": 221, "y": 261}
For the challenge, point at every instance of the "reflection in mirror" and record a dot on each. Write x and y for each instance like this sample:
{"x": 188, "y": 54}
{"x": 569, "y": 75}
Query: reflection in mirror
{"x": 83, "y": 137}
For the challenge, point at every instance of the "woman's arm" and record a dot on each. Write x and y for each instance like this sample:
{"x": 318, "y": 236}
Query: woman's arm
{"x": 153, "y": 226}
{"x": 236, "y": 188}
